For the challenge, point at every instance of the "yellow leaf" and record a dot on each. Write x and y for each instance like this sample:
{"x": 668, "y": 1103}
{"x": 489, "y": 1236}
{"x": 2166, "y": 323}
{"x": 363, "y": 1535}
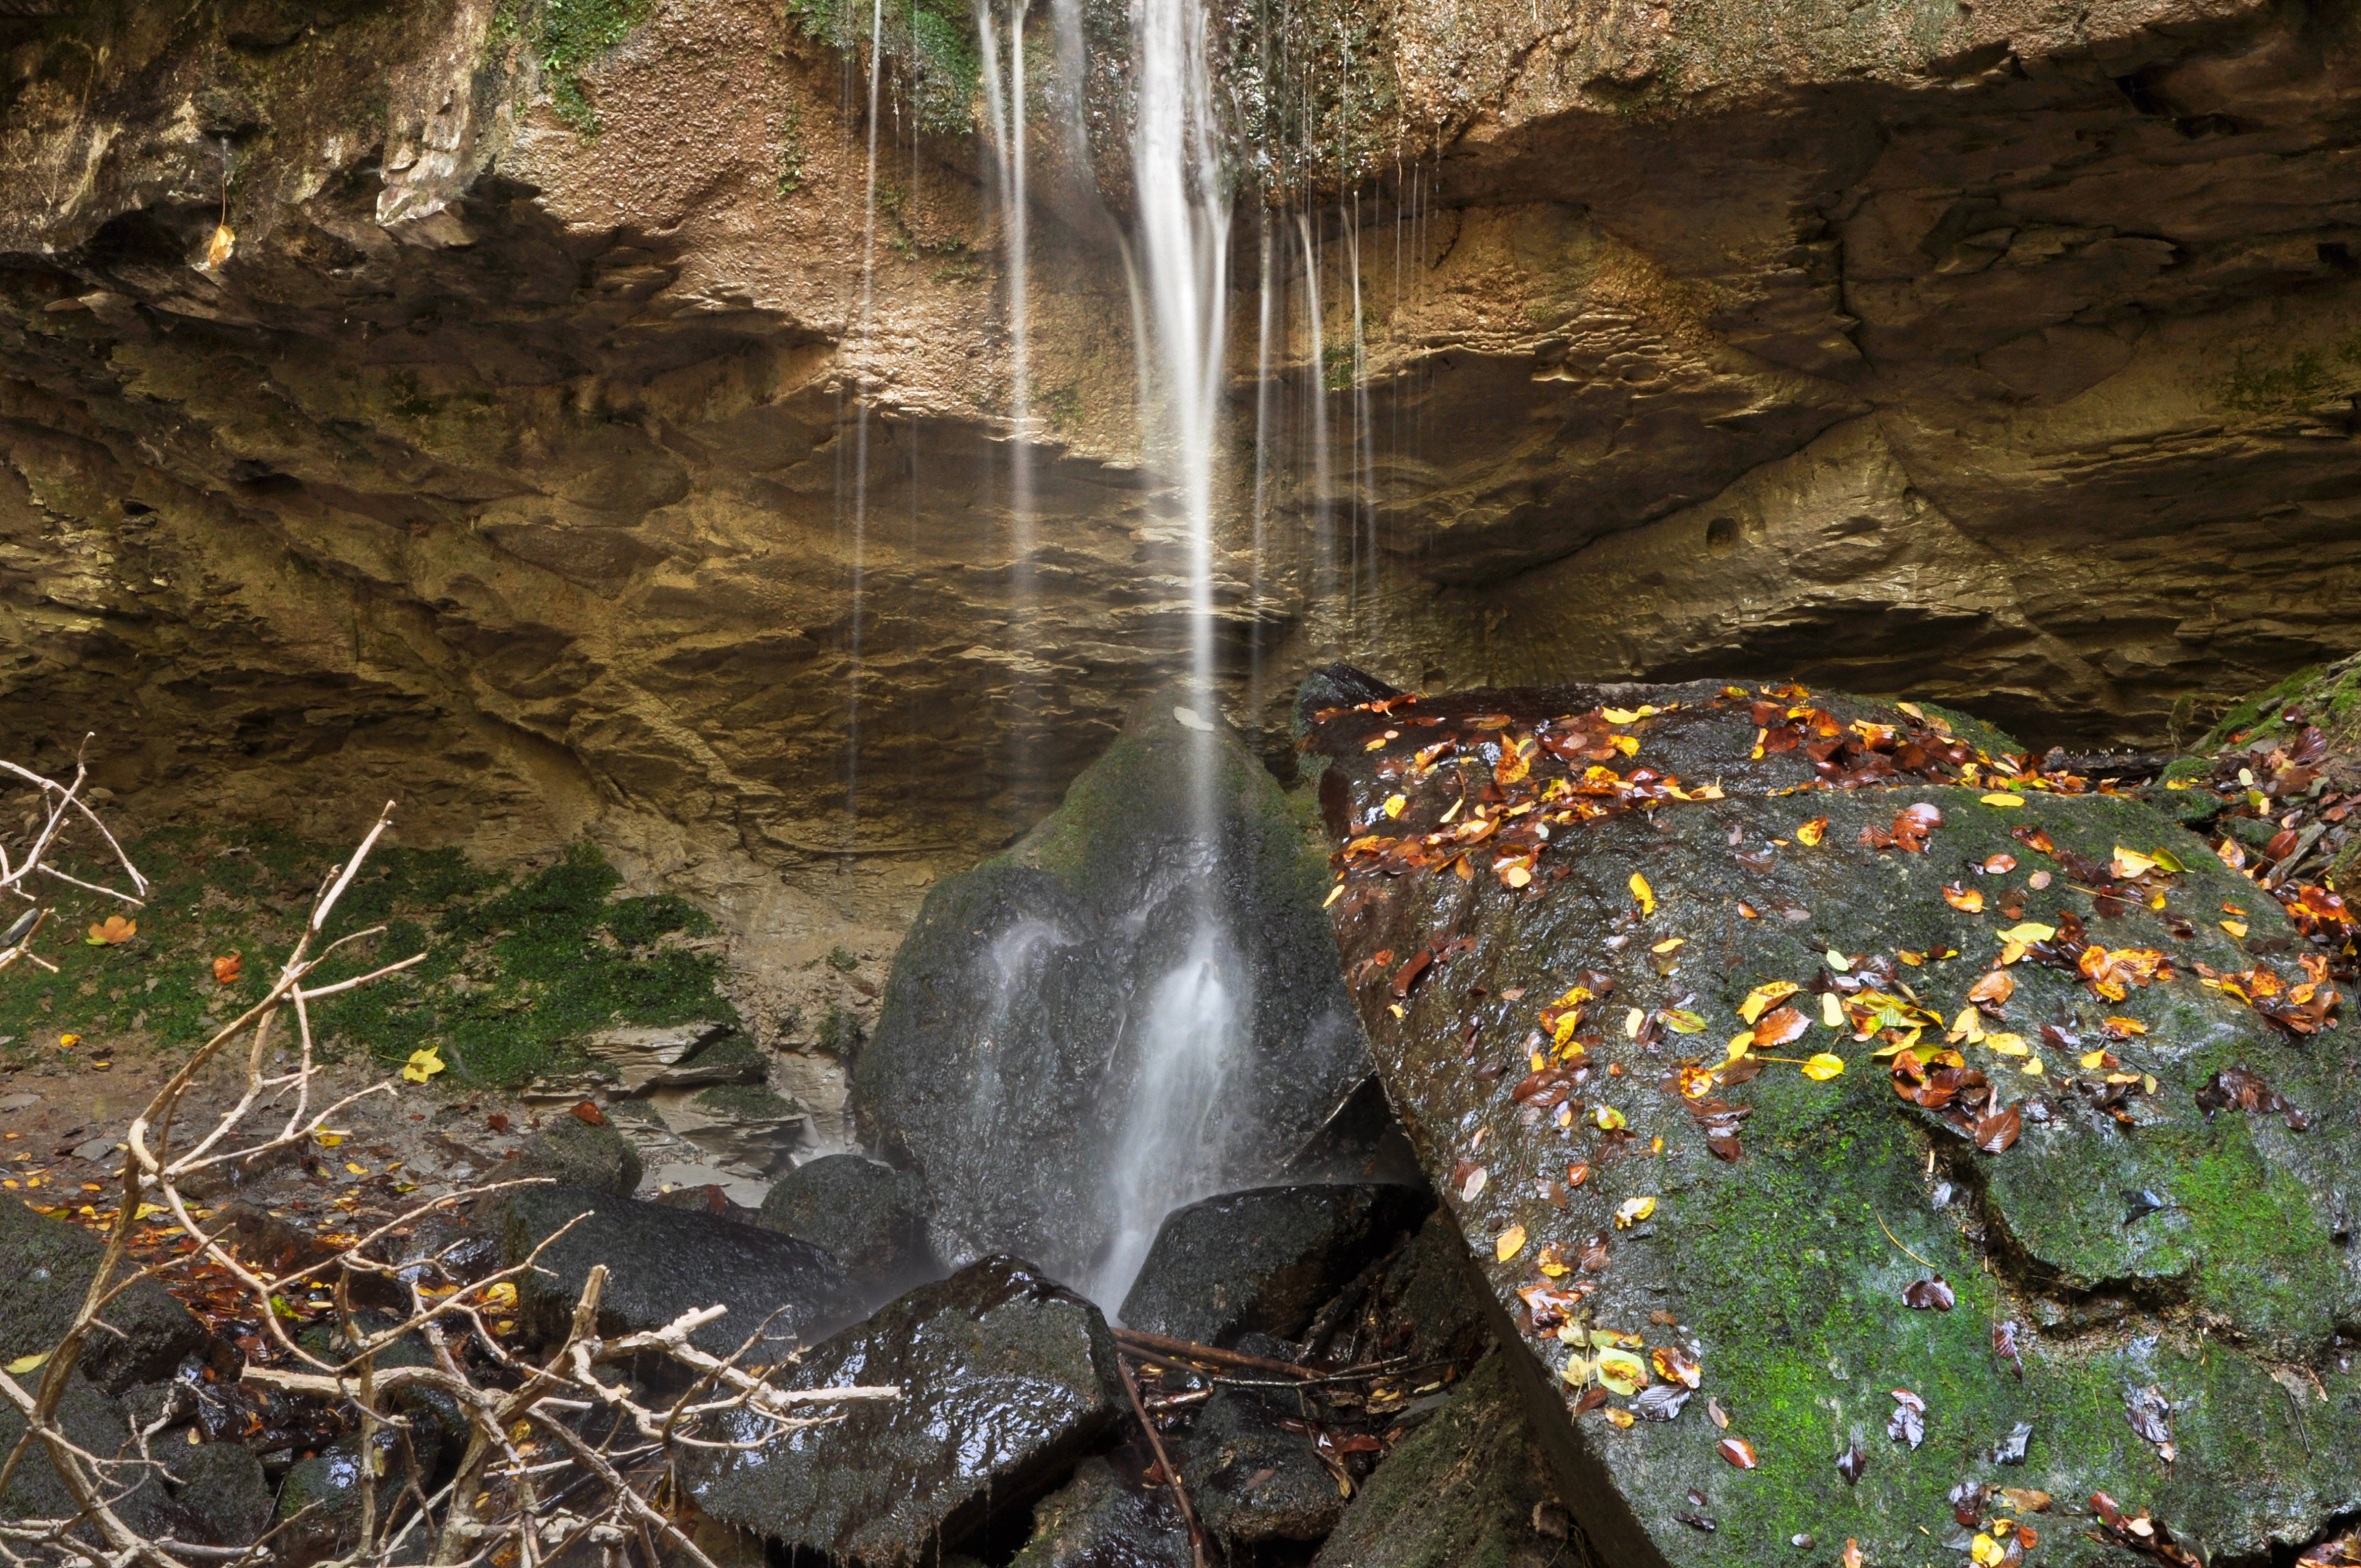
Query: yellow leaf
{"x": 2127, "y": 1025}
{"x": 2235, "y": 927}
{"x": 1913, "y": 710}
{"x": 2168, "y": 860}
{"x": 355, "y": 1170}
{"x": 1627, "y": 744}
{"x": 1669, "y": 945}
{"x": 1607, "y": 1119}
{"x": 328, "y": 1140}
{"x": 1986, "y": 1553}
{"x": 422, "y": 1065}
{"x": 1623, "y": 1420}
{"x": 24, "y": 1364}
{"x": 1631, "y": 1210}
{"x": 1762, "y": 996}
{"x": 220, "y": 248}
{"x": 68, "y": 1042}
{"x": 1837, "y": 960}
{"x": 1682, "y": 1020}
{"x": 1832, "y": 1011}
{"x": 1632, "y": 1019}
{"x": 2001, "y": 798}
{"x": 2028, "y": 931}
{"x": 1644, "y": 893}
{"x": 2130, "y": 863}
{"x": 1810, "y": 833}
{"x": 1618, "y": 716}
{"x": 1395, "y": 802}
{"x": 2032, "y": 1067}
{"x": 1622, "y": 1371}
{"x": 2092, "y": 1061}
{"x": 1511, "y": 1243}
{"x": 1823, "y": 1066}
{"x": 2007, "y": 1045}
{"x": 1333, "y": 895}
{"x": 1739, "y": 1044}
{"x": 1969, "y": 1025}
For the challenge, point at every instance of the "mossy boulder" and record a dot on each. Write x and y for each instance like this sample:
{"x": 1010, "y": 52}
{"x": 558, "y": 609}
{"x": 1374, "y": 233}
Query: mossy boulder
{"x": 869, "y": 1217}
{"x": 1028, "y": 999}
{"x": 2144, "y": 1271}
{"x": 1102, "y": 1519}
{"x": 46, "y": 1267}
{"x": 575, "y": 1152}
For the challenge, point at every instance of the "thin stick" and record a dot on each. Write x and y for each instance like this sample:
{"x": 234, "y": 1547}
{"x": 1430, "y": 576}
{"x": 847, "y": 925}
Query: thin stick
{"x": 1905, "y": 1251}
{"x": 1154, "y": 1346}
{"x": 1164, "y": 1463}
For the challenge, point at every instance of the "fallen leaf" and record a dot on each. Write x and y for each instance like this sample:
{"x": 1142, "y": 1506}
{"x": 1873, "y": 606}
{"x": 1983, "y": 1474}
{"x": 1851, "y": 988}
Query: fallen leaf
{"x": 112, "y": 931}
{"x": 1778, "y": 1027}
{"x": 2003, "y": 798}
{"x": 1925, "y": 1294}
{"x": 1631, "y": 1210}
{"x": 32, "y": 1363}
{"x": 1763, "y": 996}
{"x": 1511, "y": 1243}
{"x": 1823, "y": 1066}
{"x": 2000, "y": 864}
{"x": 1621, "y": 1372}
{"x": 2026, "y": 1499}
{"x": 1738, "y": 1450}
{"x": 2029, "y": 932}
{"x": 1851, "y": 1463}
{"x": 2010, "y": 1450}
{"x": 422, "y": 1066}
{"x": 1644, "y": 893}
{"x": 587, "y": 1113}
{"x": 1812, "y": 832}
{"x": 1996, "y": 1134}
{"x": 227, "y": 969}
{"x": 2235, "y": 927}
{"x": 1851, "y": 1557}
{"x": 1967, "y": 900}
{"x": 1675, "y": 1364}
{"x": 1993, "y": 990}
{"x": 1661, "y": 1402}
{"x": 1908, "y": 1421}
{"x": 1395, "y": 804}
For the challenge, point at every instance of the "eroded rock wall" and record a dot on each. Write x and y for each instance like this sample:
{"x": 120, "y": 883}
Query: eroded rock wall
{"x": 523, "y": 457}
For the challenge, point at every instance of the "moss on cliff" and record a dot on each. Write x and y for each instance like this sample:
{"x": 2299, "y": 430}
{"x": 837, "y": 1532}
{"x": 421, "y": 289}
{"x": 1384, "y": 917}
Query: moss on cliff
{"x": 517, "y": 969}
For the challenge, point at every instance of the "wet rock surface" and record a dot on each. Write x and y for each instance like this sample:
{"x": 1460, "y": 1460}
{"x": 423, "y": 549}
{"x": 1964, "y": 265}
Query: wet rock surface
{"x": 574, "y": 1152}
{"x": 99, "y": 1424}
{"x": 662, "y": 1262}
{"x": 2101, "y": 1245}
{"x": 1469, "y": 1489}
{"x": 869, "y": 1217}
{"x": 1008, "y": 1379}
{"x": 1103, "y": 1519}
{"x": 1264, "y": 1261}
{"x": 45, "y": 1266}
{"x": 1252, "y": 1478}
{"x": 222, "y": 1484}
{"x": 1023, "y": 1007}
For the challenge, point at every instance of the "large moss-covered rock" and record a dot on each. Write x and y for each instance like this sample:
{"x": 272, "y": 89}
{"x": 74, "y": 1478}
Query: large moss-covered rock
{"x": 2139, "y": 1293}
{"x": 869, "y": 1217}
{"x": 575, "y": 1152}
{"x": 45, "y": 1271}
{"x": 1103, "y": 1519}
{"x": 1007, "y": 1378}
{"x": 1036, "y": 992}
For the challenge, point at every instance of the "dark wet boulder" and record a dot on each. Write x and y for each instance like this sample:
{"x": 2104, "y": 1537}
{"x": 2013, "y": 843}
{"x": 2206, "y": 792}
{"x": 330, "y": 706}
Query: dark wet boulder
{"x": 1266, "y": 1260}
{"x": 1008, "y": 1379}
{"x": 664, "y": 1262}
{"x": 1425, "y": 1305}
{"x": 1469, "y": 1487}
{"x": 45, "y": 1266}
{"x": 2015, "y": 1101}
{"x": 575, "y": 1152}
{"x": 1104, "y": 1518}
{"x": 1035, "y": 994}
{"x": 99, "y": 1424}
{"x": 223, "y": 1486}
{"x": 1251, "y": 1478}
{"x": 869, "y": 1217}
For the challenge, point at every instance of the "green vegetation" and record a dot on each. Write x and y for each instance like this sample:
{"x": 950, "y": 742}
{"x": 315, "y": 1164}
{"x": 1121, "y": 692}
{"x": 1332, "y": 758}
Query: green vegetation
{"x": 791, "y": 151}
{"x": 517, "y": 969}
{"x": 2308, "y": 377}
{"x": 568, "y": 37}
{"x": 928, "y": 47}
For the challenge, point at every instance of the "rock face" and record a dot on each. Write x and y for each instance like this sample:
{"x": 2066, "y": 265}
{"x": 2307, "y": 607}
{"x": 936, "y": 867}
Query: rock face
{"x": 1264, "y": 1261}
{"x": 662, "y": 1262}
{"x": 2051, "y": 1209}
{"x": 517, "y": 451}
{"x": 1008, "y": 1379}
{"x": 47, "y": 1270}
{"x": 1039, "y": 995}
{"x": 575, "y": 1152}
{"x": 1469, "y": 1489}
{"x": 871, "y": 1218}
{"x": 1099, "y": 1519}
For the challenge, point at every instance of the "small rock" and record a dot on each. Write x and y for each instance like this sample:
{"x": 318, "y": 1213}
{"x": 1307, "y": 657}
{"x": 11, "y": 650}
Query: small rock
{"x": 1253, "y": 1480}
{"x": 18, "y": 1101}
{"x": 1007, "y": 1378}
{"x": 871, "y": 1217}
{"x": 45, "y": 1268}
{"x": 664, "y": 1262}
{"x": 1103, "y": 1519}
{"x": 222, "y": 1484}
{"x": 95, "y": 1148}
{"x": 677, "y": 1055}
{"x": 1264, "y": 1261}
{"x": 577, "y": 1154}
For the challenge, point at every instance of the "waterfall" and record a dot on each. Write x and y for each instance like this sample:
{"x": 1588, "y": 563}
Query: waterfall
{"x": 1006, "y": 113}
{"x": 1170, "y": 1144}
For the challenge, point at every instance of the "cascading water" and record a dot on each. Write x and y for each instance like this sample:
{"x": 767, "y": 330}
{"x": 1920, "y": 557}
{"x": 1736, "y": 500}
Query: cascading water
{"x": 1005, "y": 111}
{"x": 1171, "y": 1141}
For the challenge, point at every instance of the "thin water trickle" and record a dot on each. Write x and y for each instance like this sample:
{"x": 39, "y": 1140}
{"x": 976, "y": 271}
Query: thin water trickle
{"x": 1005, "y": 112}
{"x": 1325, "y": 583}
{"x": 865, "y": 334}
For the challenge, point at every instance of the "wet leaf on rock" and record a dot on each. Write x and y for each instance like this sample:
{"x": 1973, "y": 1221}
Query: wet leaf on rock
{"x": 2150, "y": 1414}
{"x": 1997, "y": 1133}
{"x": 1851, "y": 1463}
{"x": 1661, "y": 1402}
{"x": 1908, "y": 1421}
{"x": 1929, "y": 1294}
{"x": 1738, "y": 1452}
{"x": 2139, "y": 1203}
{"x": 2010, "y": 1450}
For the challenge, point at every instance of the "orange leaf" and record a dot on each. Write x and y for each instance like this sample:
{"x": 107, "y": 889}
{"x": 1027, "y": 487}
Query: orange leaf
{"x": 1966, "y": 899}
{"x": 226, "y": 969}
{"x": 1779, "y": 1026}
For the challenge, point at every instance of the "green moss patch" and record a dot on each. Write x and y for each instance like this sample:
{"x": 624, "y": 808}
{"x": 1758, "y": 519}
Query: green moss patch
{"x": 519, "y": 968}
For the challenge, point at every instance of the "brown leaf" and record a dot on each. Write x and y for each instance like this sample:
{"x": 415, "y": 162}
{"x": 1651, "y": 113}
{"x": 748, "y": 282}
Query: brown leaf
{"x": 1778, "y": 1027}
{"x": 1927, "y": 1295}
{"x": 585, "y": 1112}
{"x": 1738, "y": 1450}
{"x": 1997, "y": 1133}
{"x": 1993, "y": 990}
